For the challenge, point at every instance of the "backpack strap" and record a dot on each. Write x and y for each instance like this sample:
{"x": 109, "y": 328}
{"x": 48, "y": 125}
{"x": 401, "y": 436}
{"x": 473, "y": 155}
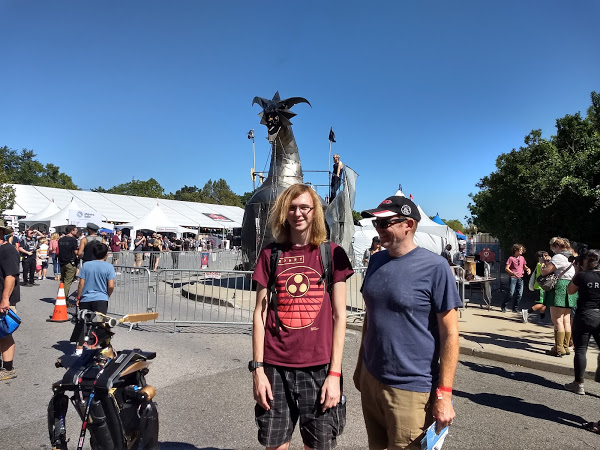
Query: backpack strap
{"x": 275, "y": 255}
{"x": 325, "y": 249}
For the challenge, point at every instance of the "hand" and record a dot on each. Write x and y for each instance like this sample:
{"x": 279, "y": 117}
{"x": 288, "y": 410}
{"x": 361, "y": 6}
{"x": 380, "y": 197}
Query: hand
{"x": 4, "y": 306}
{"x": 443, "y": 413}
{"x": 330, "y": 392}
{"x": 528, "y": 271}
{"x": 262, "y": 389}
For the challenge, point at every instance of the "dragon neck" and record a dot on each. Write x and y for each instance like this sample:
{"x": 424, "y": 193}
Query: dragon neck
{"x": 285, "y": 169}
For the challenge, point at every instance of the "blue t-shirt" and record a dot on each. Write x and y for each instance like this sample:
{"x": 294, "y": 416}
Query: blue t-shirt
{"x": 402, "y": 296}
{"x": 96, "y": 275}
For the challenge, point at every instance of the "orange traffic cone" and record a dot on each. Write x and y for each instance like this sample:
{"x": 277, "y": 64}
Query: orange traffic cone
{"x": 60, "y": 307}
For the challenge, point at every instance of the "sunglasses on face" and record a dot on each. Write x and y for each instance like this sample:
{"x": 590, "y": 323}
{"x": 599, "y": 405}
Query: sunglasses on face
{"x": 386, "y": 223}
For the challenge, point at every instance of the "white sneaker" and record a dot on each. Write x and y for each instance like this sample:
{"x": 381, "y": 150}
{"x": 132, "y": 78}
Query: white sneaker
{"x": 575, "y": 388}
{"x": 525, "y": 315}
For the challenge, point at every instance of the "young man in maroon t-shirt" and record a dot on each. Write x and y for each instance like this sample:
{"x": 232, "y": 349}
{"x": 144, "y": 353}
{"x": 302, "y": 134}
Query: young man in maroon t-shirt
{"x": 303, "y": 356}
{"x": 115, "y": 247}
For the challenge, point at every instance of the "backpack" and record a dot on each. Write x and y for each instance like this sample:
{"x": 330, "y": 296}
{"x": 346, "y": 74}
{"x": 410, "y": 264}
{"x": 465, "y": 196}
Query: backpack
{"x": 327, "y": 277}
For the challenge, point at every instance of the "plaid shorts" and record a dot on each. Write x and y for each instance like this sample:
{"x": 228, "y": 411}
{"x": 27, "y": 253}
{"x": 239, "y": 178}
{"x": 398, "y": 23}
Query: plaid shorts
{"x": 296, "y": 394}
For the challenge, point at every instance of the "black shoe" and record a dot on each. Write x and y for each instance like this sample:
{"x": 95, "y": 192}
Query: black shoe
{"x": 515, "y": 310}
{"x": 503, "y": 310}
{"x": 34, "y": 284}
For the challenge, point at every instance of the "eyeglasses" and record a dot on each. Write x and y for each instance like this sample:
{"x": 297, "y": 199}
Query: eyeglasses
{"x": 386, "y": 223}
{"x": 304, "y": 209}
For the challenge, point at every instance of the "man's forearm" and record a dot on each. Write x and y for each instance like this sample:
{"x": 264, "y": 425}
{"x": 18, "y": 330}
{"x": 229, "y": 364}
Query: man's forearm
{"x": 9, "y": 285}
{"x": 449, "y": 346}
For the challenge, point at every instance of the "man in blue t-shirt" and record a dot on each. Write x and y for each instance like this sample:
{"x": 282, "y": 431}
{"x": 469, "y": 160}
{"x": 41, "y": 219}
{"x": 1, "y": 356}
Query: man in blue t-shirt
{"x": 96, "y": 283}
{"x": 409, "y": 351}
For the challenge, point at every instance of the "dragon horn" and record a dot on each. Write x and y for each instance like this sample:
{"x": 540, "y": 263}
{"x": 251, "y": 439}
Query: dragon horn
{"x": 261, "y": 101}
{"x": 289, "y": 102}
{"x": 276, "y": 97}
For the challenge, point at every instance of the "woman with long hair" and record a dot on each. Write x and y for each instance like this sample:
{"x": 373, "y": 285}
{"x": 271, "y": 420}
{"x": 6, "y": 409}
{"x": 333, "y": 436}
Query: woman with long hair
{"x": 558, "y": 299}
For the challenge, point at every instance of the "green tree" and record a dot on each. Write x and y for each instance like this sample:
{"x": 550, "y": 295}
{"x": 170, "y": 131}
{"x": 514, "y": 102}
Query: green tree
{"x": 220, "y": 193}
{"x": 7, "y": 193}
{"x": 455, "y": 224}
{"x": 136, "y": 188}
{"x": 189, "y": 194}
{"x": 356, "y": 215}
{"x": 23, "y": 168}
{"x": 245, "y": 197}
{"x": 545, "y": 188}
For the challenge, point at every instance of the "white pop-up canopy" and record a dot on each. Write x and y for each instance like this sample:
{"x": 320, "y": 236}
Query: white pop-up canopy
{"x": 156, "y": 220}
{"x": 48, "y": 211}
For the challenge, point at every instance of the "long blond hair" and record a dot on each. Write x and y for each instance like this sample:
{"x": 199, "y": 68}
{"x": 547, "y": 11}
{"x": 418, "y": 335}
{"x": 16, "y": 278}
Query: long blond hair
{"x": 561, "y": 243}
{"x": 278, "y": 217}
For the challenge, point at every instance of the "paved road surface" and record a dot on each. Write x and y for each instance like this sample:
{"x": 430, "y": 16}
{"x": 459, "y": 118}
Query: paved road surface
{"x": 204, "y": 392}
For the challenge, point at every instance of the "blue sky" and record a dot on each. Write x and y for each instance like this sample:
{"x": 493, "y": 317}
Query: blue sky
{"x": 424, "y": 94}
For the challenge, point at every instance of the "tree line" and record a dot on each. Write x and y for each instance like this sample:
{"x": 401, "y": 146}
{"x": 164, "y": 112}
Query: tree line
{"x": 22, "y": 167}
{"x": 548, "y": 187}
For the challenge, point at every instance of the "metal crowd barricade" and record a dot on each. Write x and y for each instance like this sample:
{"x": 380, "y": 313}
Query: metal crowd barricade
{"x": 132, "y": 291}
{"x": 194, "y": 296}
{"x": 189, "y": 260}
{"x": 355, "y": 304}
{"x": 203, "y": 297}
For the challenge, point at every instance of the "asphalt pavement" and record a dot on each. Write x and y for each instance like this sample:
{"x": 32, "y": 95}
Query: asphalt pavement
{"x": 204, "y": 388}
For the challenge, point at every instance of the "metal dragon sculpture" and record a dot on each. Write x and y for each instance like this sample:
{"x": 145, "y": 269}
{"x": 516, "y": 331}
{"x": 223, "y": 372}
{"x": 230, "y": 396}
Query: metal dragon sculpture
{"x": 284, "y": 171}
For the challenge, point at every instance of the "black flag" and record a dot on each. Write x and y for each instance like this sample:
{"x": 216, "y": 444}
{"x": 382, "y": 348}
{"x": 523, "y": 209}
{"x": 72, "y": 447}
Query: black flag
{"x": 331, "y": 135}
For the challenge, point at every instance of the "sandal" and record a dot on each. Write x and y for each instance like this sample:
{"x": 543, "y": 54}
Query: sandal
{"x": 592, "y": 426}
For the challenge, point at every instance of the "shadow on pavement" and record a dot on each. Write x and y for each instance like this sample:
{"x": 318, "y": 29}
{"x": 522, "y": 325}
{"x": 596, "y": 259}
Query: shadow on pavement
{"x": 185, "y": 446}
{"x": 503, "y": 341}
{"x": 47, "y": 300}
{"x": 525, "y": 377}
{"x": 518, "y": 406}
{"x": 64, "y": 346}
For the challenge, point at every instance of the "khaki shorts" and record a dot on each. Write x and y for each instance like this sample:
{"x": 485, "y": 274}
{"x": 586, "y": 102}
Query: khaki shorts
{"x": 138, "y": 257}
{"x": 394, "y": 418}
{"x": 13, "y": 309}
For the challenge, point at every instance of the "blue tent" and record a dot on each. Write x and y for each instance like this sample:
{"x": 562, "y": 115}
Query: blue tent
{"x": 438, "y": 220}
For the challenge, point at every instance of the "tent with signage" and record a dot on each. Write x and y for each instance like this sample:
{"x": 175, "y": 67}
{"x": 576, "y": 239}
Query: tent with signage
{"x": 70, "y": 214}
{"x": 156, "y": 220}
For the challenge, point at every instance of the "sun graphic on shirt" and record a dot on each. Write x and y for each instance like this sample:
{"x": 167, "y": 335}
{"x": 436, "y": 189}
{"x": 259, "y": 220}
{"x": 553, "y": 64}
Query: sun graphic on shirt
{"x": 299, "y": 296}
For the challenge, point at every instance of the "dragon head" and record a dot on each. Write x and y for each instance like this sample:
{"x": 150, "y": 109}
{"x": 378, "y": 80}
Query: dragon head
{"x": 276, "y": 112}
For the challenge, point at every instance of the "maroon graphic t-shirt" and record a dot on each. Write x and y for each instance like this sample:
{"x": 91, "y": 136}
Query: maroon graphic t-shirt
{"x": 306, "y": 333}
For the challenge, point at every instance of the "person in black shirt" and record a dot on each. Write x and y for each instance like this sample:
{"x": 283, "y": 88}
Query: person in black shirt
{"x": 9, "y": 274}
{"x": 67, "y": 257}
{"x": 28, "y": 250}
{"x": 586, "y": 322}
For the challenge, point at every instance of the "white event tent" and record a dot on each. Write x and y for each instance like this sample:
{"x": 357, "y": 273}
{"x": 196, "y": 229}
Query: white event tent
{"x": 31, "y": 200}
{"x": 156, "y": 220}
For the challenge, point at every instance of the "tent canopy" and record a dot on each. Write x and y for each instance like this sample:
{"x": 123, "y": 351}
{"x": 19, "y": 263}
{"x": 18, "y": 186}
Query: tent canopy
{"x": 48, "y": 211}
{"x": 156, "y": 220}
{"x": 437, "y": 219}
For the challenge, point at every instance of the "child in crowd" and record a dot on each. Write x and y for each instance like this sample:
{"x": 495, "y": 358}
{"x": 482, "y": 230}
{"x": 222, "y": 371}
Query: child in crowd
{"x": 542, "y": 257}
{"x": 42, "y": 259}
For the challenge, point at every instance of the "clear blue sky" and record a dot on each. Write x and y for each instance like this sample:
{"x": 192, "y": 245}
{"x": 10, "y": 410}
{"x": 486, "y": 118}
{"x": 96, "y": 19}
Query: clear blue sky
{"x": 426, "y": 94}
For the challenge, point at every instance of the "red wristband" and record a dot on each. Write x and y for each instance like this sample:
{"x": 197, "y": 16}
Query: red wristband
{"x": 445, "y": 389}
{"x": 334, "y": 374}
